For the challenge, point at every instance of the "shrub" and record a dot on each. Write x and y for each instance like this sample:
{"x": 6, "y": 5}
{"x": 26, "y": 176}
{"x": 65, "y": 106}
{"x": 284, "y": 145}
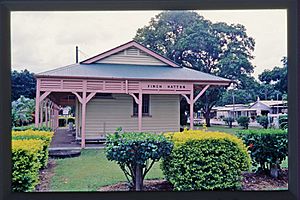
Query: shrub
{"x": 22, "y": 111}
{"x": 253, "y": 117}
{"x": 203, "y": 160}
{"x": 228, "y": 121}
{"x": 25, "y": 164}
{"x": 263, "y": 121}
{"x": 22, "y": 128}
{"x": 37, "y": 135}
{"x": 244, "y": 121}
{"x": 31, "y": 127}
{"x": 43, "y": 128}
{"x": 283, "y": 122}
{"x": 268, "y": 147}
{"x": 136, "y": 153}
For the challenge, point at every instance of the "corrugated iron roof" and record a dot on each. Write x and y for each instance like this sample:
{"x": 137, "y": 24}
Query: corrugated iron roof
{"x": 125, "y": 71}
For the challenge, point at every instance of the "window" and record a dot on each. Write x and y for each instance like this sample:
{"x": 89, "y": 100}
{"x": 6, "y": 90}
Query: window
{"x": 145, "y": 106}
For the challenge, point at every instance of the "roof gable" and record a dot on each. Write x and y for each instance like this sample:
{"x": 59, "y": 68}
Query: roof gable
{"x": 131, "y": 53}
{"x": 260, "y": 105}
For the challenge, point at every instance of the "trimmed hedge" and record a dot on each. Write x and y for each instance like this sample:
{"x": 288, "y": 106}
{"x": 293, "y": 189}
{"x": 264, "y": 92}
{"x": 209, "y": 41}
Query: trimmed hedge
{"x": 31, "y": 127}
{"x": 203, "y": 160}
{"x": 36, "y": 135}
{"x": 26, "y": 156}
{"x": 267, "y": 146}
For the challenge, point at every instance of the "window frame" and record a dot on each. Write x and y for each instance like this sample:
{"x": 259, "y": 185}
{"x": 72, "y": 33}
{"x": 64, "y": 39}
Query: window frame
{"x": 135, "y": 107}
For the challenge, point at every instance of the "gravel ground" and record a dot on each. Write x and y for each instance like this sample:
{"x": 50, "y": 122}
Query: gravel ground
{"x": 251, "y": 181}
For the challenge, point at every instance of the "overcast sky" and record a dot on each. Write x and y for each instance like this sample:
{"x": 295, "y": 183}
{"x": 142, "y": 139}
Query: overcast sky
{"x": 45, "y": 40}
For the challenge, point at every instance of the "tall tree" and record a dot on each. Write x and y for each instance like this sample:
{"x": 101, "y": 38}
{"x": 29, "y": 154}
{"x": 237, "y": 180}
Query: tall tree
{"x": 276, "y": 79}
{"x": 23, "y": 83}
{"x": 192, "y": 41}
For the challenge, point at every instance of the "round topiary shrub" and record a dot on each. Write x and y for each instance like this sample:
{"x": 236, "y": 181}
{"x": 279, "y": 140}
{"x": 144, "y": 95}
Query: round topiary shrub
{"x": 205, "y": 161}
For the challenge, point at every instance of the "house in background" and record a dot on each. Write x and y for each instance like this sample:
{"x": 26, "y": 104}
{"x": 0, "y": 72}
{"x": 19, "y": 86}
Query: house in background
{"x": 263, "y": 107}
{"x": 260, "y": 107}
{"x": 129, "y": 86}
{"x": 232, "y": 110}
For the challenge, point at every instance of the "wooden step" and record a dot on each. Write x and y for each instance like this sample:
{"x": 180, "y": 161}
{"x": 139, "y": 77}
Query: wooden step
{"x": 65, "y": 153}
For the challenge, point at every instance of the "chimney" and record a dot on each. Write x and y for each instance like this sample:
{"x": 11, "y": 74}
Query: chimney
{"x": 76, "y": 54}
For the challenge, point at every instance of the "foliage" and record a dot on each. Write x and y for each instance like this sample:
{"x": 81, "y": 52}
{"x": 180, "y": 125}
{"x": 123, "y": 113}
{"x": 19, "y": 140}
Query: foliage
{"x": 26, "y": 155}
{"x": 228, "y": 121}
{"x": 36, "y": 135}
{"x": 101, "y": 172}
{"x": 244, "y": 121}
{"x": 22, "y": 128}
{"x": 263, "y": 121}
{"x": 268, "y": 147}
{"x": 136, "y": 153}
{"x": 283, "y": 122}
{"x": 23, "y": 84}
{"x": 202, "y": 160}
{"x": 272, "y": 85}
{"x": 43, "y": 128}
{"x": 276, "y": 77}
{"x": 43, "y": 135}
{"x": 31, "y": 127}
{"x": 22, "y": 111}
{"x": 241, "y": 96}
{"x": 192, "y": 41}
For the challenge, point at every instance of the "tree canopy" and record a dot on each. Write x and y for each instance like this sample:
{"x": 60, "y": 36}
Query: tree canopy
{"x": 192, "y": 41}
{"x": 276, "y": 79}
{"x": 23, "y": 83}
{"x": 271, "y": 84}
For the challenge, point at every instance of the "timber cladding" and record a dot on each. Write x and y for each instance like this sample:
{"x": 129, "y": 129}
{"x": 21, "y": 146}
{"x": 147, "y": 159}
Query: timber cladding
{"x": 107, "y": 114}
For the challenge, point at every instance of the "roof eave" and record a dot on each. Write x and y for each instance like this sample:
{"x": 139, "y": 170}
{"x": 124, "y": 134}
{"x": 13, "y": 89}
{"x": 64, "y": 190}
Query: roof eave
{"x": 213, "y": 82}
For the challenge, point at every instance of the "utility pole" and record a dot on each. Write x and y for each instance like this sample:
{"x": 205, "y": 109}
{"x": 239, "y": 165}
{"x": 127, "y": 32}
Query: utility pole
{"x": 233, "y": 106}
{"x": 76, "y": 54}
{"x": 277, "y": 103}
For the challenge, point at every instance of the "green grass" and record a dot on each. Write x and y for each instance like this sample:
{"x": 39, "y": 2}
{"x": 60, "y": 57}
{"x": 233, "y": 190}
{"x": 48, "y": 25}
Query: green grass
{"x": 225, "y": 129}
{"x": 90, "y": 171}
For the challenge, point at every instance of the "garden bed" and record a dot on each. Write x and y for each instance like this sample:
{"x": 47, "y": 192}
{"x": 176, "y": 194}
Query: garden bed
{"x": 45, "y": 176}
{"x": 251, "y": 182}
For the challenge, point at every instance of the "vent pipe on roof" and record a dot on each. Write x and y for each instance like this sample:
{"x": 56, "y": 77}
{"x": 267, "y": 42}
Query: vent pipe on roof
{"x": 76, "y": 54}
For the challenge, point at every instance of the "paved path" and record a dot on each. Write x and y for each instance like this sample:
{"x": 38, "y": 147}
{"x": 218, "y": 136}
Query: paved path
{"x": 64, "y": 139}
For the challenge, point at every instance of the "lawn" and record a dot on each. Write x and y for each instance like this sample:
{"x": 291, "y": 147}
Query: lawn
{"x": 90, "y": 171}
{"x": 225, "y": 129}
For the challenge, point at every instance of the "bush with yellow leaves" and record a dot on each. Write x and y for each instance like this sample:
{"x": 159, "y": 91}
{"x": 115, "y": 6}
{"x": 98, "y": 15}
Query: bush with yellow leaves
{"x": 26, "y": 156}
{"x": 36, "y": 135}
{"x": 203, "y": 160}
